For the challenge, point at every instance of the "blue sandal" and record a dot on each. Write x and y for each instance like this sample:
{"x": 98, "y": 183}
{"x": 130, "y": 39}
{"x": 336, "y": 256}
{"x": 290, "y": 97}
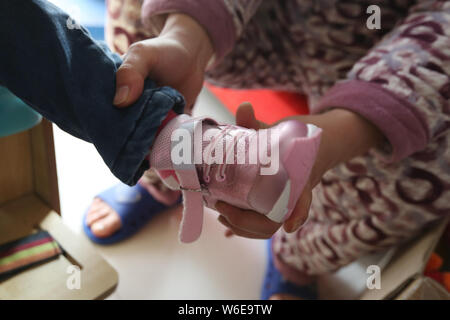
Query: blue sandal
{"x": 274, "y": 283}
{"x": 135, "y": 206}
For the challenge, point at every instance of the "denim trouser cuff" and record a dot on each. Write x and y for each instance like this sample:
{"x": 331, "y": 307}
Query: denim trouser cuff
{"x": 130, "y": 163}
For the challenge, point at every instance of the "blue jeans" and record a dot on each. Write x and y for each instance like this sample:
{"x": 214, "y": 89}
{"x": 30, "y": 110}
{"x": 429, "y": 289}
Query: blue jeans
{"x": 69, "y": 78}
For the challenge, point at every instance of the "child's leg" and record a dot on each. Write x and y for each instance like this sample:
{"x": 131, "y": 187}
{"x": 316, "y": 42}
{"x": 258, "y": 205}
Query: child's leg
{"x": 65, "y": 75}
{"x": 102, "y": 219}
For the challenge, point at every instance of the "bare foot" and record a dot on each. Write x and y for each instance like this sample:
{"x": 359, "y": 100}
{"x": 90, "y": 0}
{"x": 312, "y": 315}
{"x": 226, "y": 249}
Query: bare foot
{"x": 102, "y": 219}
{"x": 105, "y": 221}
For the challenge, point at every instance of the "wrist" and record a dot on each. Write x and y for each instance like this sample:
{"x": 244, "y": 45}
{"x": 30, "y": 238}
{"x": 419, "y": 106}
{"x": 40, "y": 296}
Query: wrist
{"x": 191, "y": 35}
{"x": 345, "y": 135}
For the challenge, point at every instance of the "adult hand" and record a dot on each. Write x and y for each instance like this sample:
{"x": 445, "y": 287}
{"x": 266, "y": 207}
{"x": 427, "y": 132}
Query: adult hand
{"x": 178, "y": 58}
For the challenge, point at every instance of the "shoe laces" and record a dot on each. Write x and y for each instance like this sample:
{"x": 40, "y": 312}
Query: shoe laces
{"x": 229, "y": 151}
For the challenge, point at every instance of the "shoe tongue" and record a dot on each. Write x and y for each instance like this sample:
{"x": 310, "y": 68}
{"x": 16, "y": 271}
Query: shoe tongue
{"x": 209, "y": 132}
{"x": 215, "y": 137}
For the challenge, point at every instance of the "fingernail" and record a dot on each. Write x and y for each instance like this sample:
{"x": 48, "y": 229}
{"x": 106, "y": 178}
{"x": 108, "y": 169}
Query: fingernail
{"x": 289, "y": 228}
{"x": 121, "y": 95}
{"x": 295, "y": 225}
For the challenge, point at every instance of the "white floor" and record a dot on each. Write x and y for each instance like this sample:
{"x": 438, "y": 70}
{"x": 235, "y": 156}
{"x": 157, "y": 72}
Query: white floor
{"x": 153, "y": 264}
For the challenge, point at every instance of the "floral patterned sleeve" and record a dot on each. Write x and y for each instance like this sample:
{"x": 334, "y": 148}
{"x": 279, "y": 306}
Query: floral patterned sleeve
{"x": 402, "y": 85}
{"x": 224, "y": 20}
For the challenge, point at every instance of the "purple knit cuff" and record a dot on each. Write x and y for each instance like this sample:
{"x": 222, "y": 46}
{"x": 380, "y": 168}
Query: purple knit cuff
{"x": 211, "y": 14}
{"x": 400, "y": 122}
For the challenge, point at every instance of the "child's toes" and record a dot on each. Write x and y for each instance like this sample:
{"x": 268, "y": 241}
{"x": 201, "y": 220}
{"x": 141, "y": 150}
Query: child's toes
{"x": 107, "y": 225}
{"x": 98, "y": 210}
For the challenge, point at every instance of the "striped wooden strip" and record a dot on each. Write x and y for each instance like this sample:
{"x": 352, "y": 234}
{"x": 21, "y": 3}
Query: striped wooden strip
{"x": 25, "y": 252}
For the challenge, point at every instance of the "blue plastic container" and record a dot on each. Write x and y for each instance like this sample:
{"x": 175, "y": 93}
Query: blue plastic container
{"x": 15, "y": 115}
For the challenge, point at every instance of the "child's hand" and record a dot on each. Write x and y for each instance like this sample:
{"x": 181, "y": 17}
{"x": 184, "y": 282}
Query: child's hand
{"x": 251, "y": 224}
{"x": 177, "y": 58}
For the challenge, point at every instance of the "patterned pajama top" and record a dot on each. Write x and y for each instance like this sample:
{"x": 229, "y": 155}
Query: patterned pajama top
{"x": 398, "y": 77}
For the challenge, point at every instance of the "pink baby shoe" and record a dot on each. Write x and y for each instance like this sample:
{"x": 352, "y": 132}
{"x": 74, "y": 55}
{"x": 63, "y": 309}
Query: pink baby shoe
{"x": 261, "y": 170}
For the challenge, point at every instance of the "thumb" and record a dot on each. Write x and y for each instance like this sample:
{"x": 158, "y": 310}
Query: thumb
{"x": 132, "y": 73}
{"x": 245, "y": 117}
{"x": 301, "y": 211}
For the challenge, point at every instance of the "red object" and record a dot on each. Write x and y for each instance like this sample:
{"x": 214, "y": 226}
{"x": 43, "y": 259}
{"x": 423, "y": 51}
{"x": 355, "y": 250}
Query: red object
{"x": 434, "y": 263}
{"x": 435, "y": 275}
{"x": 432, "y": 270}
{"x": 441, "y": 277}
{"x": 446, "y": 280}
{"x": 270, "y": 106}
